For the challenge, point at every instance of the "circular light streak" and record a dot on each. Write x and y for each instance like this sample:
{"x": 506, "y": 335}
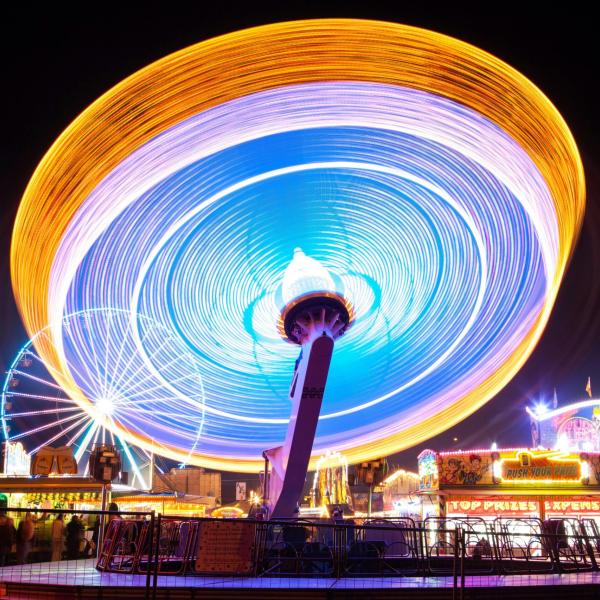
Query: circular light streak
{"x": 437, "y": 186}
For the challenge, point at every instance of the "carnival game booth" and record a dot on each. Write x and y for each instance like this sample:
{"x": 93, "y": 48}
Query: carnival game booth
{"x": 512, "y": 487}
{"x": 516, "y": 482}
{"x": 513, "y": 503}
{"x": 400, "y": 498}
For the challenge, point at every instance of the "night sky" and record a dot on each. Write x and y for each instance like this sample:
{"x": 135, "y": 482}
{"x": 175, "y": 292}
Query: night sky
{"x": 55, "y": 65}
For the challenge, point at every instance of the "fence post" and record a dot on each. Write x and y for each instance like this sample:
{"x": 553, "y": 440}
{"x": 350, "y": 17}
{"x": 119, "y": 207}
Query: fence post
{"x": 156, "y": 555}
{"x": 337, "y": 549}
{"x": 150, "y": 549}
{"x": 588, "y": 546}
{"x": 463, "y": 552}
{"x": 456, "y": 550}
{"x": 420, "y": 541}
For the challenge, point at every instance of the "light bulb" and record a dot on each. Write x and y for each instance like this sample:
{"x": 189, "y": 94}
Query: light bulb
{"x": 305, "y": 275}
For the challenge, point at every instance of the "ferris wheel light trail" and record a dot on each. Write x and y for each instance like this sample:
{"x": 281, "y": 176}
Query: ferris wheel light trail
{"x": 438, "y": 188}
{"x": 37, "y": 412}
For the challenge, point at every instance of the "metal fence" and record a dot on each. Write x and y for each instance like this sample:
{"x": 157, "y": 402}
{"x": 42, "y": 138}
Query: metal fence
{"x": 146, "y": 551}
{"x": 60, "y": 550}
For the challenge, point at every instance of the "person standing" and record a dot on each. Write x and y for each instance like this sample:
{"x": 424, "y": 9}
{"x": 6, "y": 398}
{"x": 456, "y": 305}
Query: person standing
{"x": 7, "y": 536}
{"x": 57, "y": 537}
{"x": 25, "y": 533}
{"x": 74, "y": 534}
{"x": 113, "y": 509}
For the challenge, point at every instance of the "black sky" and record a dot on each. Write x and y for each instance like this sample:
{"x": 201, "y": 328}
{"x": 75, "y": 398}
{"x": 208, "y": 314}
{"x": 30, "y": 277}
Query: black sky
{"x": 55, "y": 63}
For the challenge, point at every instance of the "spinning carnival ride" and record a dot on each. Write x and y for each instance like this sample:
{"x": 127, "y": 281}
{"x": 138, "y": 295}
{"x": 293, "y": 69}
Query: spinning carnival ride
{"x": 430, "y": 186}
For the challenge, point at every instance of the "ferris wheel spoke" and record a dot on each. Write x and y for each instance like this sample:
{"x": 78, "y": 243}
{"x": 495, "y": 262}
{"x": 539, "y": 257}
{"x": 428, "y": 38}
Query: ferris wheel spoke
{"x": 91, "y": 379}
{"x": 118, "y": 359}
{"x": 149, "y": 455}
{"x": 107, "y": 351}
{"x": 95, "y": 356}
{"x": 52, "y": 370}
{"x": 59, "y": 434}
{"x": 153, "y": 400}
{"x": 51, "y": 411}
{"x": 131, "y": 377}
{"x": 17, "y": 395}
{"x": 47, "y": 426}
{"x": 132, "y": 462}
{"x": 57, "y": 373}
{"x": 86, "y": 427}
{"x": 93, "y": 432}
{"x": 32, "y": 377}
{"x": 116, "y": 382}
{"x": 150, "y": 358}
{"x": 140, "y": 422}
{"x": 156, "y": 387}
{"x": 72, "y": 369}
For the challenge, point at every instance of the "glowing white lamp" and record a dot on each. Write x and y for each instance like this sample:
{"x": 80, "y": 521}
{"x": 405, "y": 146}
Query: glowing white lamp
{"x": 305, "y": 275}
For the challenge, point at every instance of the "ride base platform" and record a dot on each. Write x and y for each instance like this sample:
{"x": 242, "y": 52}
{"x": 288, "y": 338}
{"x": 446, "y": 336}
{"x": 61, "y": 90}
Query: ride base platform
{"x": 80, "y": 580}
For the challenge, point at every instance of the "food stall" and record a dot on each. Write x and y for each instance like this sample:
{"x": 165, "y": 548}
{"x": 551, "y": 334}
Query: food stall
{"x": 166, "y": 503}
{"x": 400, "y": 498}
{"x": 44, "y": 493}
{"x": 77, "y": 493}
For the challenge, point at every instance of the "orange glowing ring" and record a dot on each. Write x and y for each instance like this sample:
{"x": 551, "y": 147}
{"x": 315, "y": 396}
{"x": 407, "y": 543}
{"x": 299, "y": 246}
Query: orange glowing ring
{"x": 257, "y": 60}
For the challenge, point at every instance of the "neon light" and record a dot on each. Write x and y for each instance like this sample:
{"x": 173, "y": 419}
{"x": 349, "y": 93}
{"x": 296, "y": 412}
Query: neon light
{"x": 487, "y": 505}
{"x": 563, "y": 409}
{"x": 400, "y": 473}
{"x": 476, "y": 451}
{"x": 439, "y": 189}
{"x": 505, "y": 474}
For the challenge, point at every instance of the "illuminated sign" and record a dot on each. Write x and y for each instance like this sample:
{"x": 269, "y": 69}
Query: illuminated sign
{"x": 465, "y": 468}
{"x": 528, "y": 466}
{"x": 491, "y": 506}
{"x": 49, "y": 460}
{"x": 428, "y": 470}
{"x": 16, "y": 460}
{"x": 572, "y": 506}
{"x": 515, "y": 505}
{"x": 577, "y": 433}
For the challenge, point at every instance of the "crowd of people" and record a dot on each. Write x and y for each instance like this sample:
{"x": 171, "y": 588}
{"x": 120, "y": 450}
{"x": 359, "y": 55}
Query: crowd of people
{"x": 67, "y": 536}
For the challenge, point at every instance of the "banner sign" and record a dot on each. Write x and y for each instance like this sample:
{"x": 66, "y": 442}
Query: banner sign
{"x": 519, "y": 505}
{"x": 468, "y": 469}
{"x": 491, "y": 506}
{"x": 572, "y": 506}
{"x": 529, "y": 466}
{"x": 240, "y": 490}
{"x": 428, "y": 470}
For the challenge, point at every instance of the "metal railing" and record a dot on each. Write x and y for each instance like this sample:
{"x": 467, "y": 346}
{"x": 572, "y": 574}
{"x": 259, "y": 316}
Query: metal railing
{"x": 150, "y": 547}
{"x": 380, "y": 547}
{"x": 59, "y": 544}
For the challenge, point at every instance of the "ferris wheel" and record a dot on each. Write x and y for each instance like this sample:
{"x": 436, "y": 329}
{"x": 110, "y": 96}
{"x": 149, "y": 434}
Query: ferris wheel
{"x": 36, "y": 411}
